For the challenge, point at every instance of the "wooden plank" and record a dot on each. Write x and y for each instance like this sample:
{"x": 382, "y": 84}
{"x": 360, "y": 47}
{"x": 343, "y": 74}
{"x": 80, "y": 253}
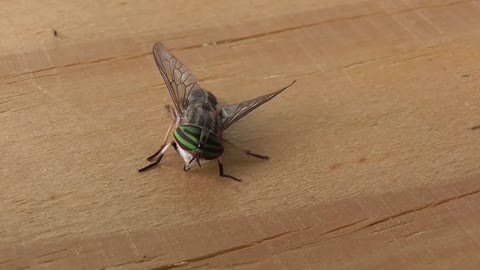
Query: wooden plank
{"x": 374, "y": 150}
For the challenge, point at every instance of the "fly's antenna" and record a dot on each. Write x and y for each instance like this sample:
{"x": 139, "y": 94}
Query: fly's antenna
{"x": 197, "y": 158}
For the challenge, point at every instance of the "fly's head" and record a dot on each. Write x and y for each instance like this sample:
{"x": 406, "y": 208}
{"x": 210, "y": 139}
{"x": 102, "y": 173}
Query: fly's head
{"x": 196, "y": 146}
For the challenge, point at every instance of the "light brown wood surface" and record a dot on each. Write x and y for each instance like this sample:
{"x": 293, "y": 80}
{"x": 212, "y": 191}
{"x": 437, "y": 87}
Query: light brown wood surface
{"x": 374, "y": 152}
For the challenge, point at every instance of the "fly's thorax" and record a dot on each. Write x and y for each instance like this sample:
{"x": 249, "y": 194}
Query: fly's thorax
{"x": 196, "y": 139}
{"x": 202, "y": 111}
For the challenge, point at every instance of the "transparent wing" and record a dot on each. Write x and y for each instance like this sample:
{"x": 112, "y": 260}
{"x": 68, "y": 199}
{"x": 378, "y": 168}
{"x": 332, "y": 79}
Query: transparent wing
{"x": 179, "y": 79}
{"x": 233, "y": 113}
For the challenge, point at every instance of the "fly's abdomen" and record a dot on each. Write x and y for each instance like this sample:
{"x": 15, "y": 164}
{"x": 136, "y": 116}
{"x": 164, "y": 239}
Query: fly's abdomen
{"x": 188, "y": 138}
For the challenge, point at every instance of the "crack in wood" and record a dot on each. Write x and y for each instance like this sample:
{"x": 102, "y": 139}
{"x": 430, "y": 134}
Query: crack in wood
{"x": 388, "y": 57}
{"x": 418, "y": 232}
{"x": 34, "y": 78}
{"x": 410, "y": 211}
{"x": 237, "y": 39}
{"x": 293, "y": 28}
{"x": 338, "y": 228}
{"x": 206, "y": 256}
{"x": 343, "y": 227}
{"x": 226, "y": 251}
{"x": 101, "y": 60}
{"x": 277, "y": 236}
{"x": 434, "y": 204}
{"x": 50, "y": 253}
{"x": 391, "y": 227}
{"x": 278, "y": 31}
{"x": 7, "y": 261}
{"x": 57, "y": 67}
{"x": 53, "y": 260}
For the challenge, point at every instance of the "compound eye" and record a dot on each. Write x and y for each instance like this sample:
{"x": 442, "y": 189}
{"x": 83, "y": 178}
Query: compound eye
{"x": 187, "y": 137}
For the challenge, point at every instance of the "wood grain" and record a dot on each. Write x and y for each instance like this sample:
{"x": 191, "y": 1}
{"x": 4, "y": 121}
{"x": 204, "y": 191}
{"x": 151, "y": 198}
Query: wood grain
{"x": 374, "y": 150}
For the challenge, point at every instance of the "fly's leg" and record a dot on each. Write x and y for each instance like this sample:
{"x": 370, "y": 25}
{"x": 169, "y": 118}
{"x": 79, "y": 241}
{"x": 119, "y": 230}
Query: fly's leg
{"x": 195, "y": 157}
{"x": 152, "y": 157}
{"x": 167, "y": 107}
{"x": 174, "y": 145}
{"x": 247, "y": 152}
{"x": 220, "y": 171}
{"x": 160, "y": 154}
{"x": 172, "y": 112}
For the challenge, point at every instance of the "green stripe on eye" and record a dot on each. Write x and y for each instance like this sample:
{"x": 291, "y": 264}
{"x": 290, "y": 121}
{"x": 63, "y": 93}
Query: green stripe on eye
{"x": 184, "y": 142}
{"x": 195, "y": 140}
{"x": 193, "y": 133}
{"x": 194, "y": 130}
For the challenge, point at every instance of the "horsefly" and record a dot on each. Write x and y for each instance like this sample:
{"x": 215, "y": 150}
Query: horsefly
{"x": 198, "y": 118}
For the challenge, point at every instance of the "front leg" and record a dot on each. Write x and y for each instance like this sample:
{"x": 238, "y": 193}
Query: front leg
{"x": 160, "y": 154}
{"x": 150, "y": 158}
{"x": 172, "y": 112}
{"x": 220, "y": 171}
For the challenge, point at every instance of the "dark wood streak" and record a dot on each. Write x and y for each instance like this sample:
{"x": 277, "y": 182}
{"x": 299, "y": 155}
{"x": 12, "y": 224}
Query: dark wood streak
{"x": 475, "y": 127}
